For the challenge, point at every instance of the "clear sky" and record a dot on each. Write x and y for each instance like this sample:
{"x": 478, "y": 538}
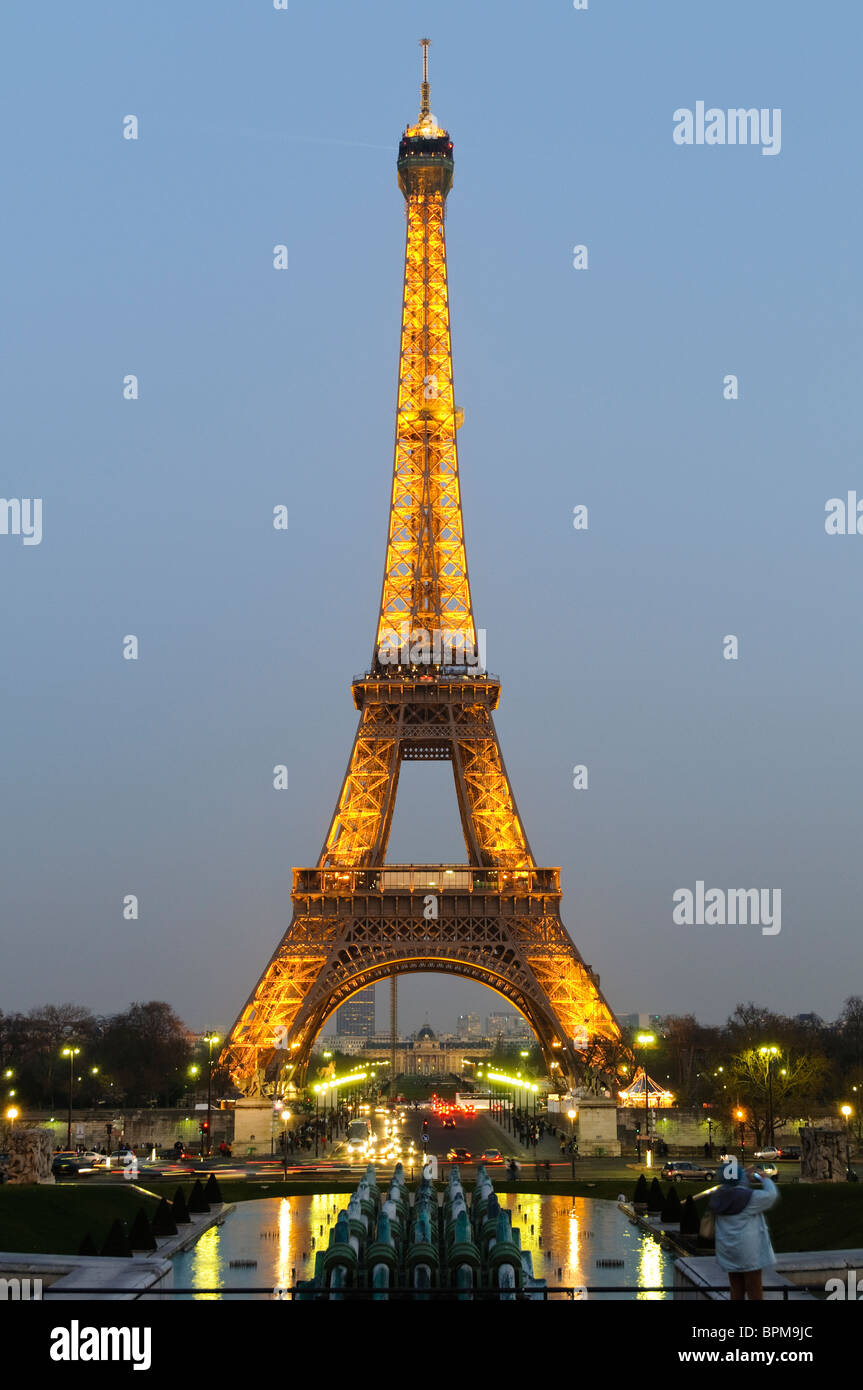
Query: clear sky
{"x": 603, "y": 387}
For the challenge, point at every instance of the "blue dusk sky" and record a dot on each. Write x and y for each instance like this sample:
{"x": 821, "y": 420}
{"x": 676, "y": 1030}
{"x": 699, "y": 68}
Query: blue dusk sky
{"x": 601, "y": 386}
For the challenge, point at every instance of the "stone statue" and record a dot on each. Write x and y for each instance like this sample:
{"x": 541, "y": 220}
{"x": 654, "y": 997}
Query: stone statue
{"x": 30, "y": 1155}
{"x": 592, "y": 1081}
{"x": 822, "y": 1155}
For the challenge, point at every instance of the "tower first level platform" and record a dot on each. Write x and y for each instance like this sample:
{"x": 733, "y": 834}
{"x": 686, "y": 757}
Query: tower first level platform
{"x": 352, "y": 927}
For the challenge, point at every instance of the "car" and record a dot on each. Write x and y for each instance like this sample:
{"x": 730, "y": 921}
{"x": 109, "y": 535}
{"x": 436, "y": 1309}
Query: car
{"x": 791, "y": 1152}
{"x": 491, "y": 1156}
{"x": 458, "y": 1156}
{"x": 769, "y": 1170}
{"x": 66, "y": 1162}
{"x": 769, "y": 1153}
{"x": 687, "y": 1172}
{"x": 175, "y": 1155}
{"x": 448, "y": 1122}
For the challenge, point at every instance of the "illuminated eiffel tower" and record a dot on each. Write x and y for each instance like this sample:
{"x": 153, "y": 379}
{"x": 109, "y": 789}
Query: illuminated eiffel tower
{"x": 496, "y": 918}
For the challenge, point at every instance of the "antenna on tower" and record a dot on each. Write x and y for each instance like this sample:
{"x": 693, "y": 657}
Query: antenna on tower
{"x": 424, "y": 90}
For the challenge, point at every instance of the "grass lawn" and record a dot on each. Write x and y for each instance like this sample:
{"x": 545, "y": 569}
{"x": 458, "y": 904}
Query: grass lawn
{"x": 53, "y": 1220}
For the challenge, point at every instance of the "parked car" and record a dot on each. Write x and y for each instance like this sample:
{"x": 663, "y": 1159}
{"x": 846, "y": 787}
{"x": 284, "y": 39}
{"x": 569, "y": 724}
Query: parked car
{"x": 458, "y": 1155}
{"x": 65, "y": 1163}
{"x": 677, "y": 1168}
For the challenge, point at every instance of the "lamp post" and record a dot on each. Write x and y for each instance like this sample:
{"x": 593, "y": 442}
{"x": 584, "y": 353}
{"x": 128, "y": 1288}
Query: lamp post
{"x": 278, "y": 1106}
{"x": 845, "y": 1110}
{"x": 286, "y": 1115}
{"x": 210, "y": 1039}
{"x": 12, "y": 1114}
{"x": 71, "y": 1053}
{"x": 739, "y": 1116}
{"x": 570, "y": 1115}
{"x": 645, "y": 1040}
{"x": 770, "y": 1053}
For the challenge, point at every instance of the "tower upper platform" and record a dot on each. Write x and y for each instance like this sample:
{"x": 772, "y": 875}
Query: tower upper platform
{"x": 425, "y": 162}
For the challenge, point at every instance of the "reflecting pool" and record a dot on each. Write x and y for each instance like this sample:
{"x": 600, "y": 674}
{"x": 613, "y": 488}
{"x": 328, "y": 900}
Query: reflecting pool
{"x": 271, "y": 1242}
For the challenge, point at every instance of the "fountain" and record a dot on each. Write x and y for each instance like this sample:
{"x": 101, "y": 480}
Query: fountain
{"x": 412, "y": 1243}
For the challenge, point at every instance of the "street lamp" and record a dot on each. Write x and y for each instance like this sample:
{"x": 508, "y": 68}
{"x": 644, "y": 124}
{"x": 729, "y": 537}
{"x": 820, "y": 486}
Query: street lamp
{"x": 71, "y": 1053}
{"x": 12, "y": 1114}
{"x": 770, "y": 1053}
{"x": 645, "y": 1040}
{"x": 286, "y": 1115}
{"x": 739, "y": 1116}
{"x": 847, "y": 1112}
{"x": 210, "y": 1039}
{"x": 571, "y": 1116}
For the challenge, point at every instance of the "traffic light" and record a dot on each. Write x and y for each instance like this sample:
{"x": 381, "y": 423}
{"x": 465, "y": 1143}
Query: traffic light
{"x": 205, "y": 1126}
{"x": 638, "y": 1128}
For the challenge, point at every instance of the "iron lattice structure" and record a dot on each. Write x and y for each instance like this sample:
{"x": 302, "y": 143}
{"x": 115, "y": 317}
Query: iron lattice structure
{"x": 356, "y": 919}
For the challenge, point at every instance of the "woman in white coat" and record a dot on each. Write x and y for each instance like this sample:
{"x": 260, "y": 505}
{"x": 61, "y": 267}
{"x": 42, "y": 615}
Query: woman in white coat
{"x": 742, "y": 1240}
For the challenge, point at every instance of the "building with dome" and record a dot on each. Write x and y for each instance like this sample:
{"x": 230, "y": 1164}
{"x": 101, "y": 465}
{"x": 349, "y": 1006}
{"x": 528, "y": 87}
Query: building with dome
{"x": 424, "y": 1053}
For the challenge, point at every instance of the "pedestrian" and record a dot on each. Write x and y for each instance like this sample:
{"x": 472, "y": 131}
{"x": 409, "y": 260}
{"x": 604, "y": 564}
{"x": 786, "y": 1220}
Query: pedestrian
{"x": 562, "y": 1146}
{"x": 743, "y": 1246}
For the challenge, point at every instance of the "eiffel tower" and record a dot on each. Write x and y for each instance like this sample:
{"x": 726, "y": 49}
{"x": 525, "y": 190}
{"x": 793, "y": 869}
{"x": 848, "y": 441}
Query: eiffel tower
{"x": 426, "y": 697}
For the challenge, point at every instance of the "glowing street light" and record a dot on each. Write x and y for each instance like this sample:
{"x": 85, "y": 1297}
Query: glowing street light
{"x": 645, "y": 1040}
{"x": 770, "y": 1053}
{"x": 71, "y": 1053}
{"x": 210, "y": 1039}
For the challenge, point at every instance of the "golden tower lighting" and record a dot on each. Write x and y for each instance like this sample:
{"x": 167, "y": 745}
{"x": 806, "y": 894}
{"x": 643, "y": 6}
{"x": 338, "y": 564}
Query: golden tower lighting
{"x": 425, "y": 697}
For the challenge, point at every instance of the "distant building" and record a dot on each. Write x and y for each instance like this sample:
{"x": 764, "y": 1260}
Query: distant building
{"x": 508, "y": 1025}
{"x": 469, "y": 1026}
{"x": 356, "y": 1017}
{"x": 427, "y": 1054}
{"x": 809, "y": 1020}
{"x": 648, "y": 1023}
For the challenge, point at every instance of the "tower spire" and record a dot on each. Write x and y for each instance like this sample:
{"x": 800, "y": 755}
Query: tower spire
{"x": 425, "y": 106}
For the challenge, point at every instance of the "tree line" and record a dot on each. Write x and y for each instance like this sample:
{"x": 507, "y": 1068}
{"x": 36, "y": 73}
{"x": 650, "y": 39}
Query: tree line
{"x": 142, "y": 1056}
